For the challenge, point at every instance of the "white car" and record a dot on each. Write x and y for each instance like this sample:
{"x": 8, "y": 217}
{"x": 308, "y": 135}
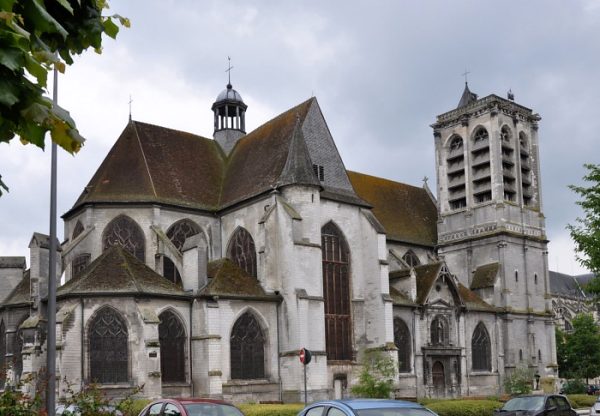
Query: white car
{"x": 595, "y": 409}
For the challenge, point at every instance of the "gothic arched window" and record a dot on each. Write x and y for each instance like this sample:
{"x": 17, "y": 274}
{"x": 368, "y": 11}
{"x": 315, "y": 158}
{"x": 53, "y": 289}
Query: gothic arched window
{"x": 403, "y": 343}
{"x": 481, "y": 135}
{"x": 481, "y": 349}
{"x": 439, "y": 331}
{"x": 2, "y": 353}
{"x": 336, "y": 291}
{"x": 17, "y": 350}
{"x": 505, "y": 134}
{"x": 523, "y": 141}
{"x": 242, "y": 251}
{"x": 172, "y": 347}
{"x": 79, "y": 264}
{"x": 456, "y": 143}
{"x": 181, "y": 230}
{"x": 124, "y": 232}
{"x": 77, "y": 230}
{"x": 108, "y": 351}
{"x": 247, "y": 344}
{"x": 170, "y": 271}
{"x": 411, "y": 259}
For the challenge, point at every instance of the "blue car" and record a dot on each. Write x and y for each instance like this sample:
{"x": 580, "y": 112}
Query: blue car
{"x": 365, "y": 407}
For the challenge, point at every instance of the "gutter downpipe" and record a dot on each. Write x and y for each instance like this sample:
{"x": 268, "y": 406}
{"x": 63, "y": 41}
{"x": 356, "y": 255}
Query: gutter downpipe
{"x": 279, "y": 354}
{"x": 191, "y": 364}
{"x": 82, "y": 337}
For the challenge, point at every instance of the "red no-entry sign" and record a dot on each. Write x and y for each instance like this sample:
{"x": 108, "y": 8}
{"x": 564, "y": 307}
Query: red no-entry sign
{"x": 305, "y": 356}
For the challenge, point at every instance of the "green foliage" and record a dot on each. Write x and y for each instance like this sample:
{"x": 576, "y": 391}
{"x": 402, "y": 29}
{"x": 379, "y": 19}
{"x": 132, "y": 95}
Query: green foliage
{"x": 581, "y": 351}
{"x": 36, "y": 36}
{"x": 465, "y": 407}
{"x": 291, "y": 409}
{"x": 561, "y": 351}
{"x": 581, "y": 400}
{"x": 519, "y": 381}
{"x": 586, "y": 234}
{"x": 576, "y": 386}
{"x": 376, "y": 379}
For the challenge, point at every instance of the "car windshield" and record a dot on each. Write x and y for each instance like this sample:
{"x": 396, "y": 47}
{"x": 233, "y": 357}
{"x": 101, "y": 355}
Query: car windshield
{"x": 524, "y": 403}
{"x": 395, "y": 411}
{"x": 211, "y": 409}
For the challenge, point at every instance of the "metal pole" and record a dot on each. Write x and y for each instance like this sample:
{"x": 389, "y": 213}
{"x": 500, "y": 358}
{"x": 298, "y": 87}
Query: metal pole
{"x": 51, "y": 309}
{"x": 305, "y": 401}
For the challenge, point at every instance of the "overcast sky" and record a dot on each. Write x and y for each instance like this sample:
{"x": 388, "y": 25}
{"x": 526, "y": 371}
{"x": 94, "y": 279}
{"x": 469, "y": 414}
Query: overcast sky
{"x": 381, "y": 71}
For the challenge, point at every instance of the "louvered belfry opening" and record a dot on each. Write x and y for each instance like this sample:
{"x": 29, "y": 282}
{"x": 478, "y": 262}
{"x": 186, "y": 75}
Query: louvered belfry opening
{"x": 403, "y": 343}
{"x": 481, "y": 349}
{"x": 124, "y": 232}
{"x": 247, "y": 345}
{"x": 172, "y": 339}
{"x": 109, "y": 357}
{"x": 242, "y": 251}
{"x": 336, "y": 291}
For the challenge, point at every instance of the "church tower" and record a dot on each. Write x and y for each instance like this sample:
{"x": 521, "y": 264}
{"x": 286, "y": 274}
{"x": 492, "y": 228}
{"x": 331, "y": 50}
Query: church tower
{"x": 230, "y": 118}
{"x": 491, "y": 230}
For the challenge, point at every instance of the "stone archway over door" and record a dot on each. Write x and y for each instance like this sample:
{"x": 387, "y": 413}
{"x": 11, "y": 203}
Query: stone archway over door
{"x": 439, "y": 379}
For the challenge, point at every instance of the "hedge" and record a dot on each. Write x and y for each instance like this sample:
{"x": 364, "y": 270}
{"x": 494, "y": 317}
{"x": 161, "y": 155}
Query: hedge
{"x": 271, "y": 409}
{"x": 581, "y": 400}
{"x": 464, "y": 407}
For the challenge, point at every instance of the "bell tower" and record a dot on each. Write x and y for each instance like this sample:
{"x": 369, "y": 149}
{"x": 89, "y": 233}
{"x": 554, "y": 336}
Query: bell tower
{"x": 230, "y": 118}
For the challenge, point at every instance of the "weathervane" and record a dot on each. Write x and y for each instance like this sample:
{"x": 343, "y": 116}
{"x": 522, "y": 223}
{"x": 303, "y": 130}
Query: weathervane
{"x": 464, "y": 74}
{"x": 228, "y": 70}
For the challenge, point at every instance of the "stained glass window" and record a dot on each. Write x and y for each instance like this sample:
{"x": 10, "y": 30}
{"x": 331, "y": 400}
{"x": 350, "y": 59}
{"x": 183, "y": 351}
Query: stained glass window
{"x": 170, "y": 271}
{"x": 242, "y": 251}
{"x": 336, "y": 291}
{"x": 17, "y": 349}
{"x": 123, "y": 231}
{"x": 481, "y": 349}
{"x": 411, "y": 258}
{"x": 247, "y": 345}
{"x": 181, "y": 230}
{"x": 172, "y": 347}
{"x": 108, "y": 351}
{"x": 403, "y": 343}
{"x": 79, "y": 264}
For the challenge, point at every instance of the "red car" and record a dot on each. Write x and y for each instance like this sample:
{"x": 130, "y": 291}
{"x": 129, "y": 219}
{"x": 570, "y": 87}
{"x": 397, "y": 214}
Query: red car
{"x": 190, "y": 407}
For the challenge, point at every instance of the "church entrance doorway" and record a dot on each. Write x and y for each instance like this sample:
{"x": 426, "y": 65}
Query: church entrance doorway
{"x": 439, "y": 379}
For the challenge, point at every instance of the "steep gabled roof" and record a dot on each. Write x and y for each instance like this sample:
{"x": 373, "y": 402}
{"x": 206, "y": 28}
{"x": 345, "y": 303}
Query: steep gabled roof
{"x": 21, "y": 294}
{"x": 485, "y": 276}
{"x": 426, "y": 276}
{"x": 472, "y": 301}
{"x": 565, "y": 285}
{"x": 117, "y": 272}
{"x": 229, "y": 280}
{"x": 399, "y": 298}
{"x": 407, "y": 213}
{"x": 467, "y": 97}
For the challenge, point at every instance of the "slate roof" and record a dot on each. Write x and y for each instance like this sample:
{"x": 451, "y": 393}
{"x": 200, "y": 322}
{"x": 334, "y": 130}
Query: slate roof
{"x": 467, "y": 97}
{"x": 12, "y": 262}
{"x": 407, "y": 212}
{"x": 399, "y": 298}
{"x": 485, "y": 276}
{"x": 426, "y": 276}
{"x": 21, "y": 294}
{"x": 565, "y": 285}
{"x": 155, "y": 164}
{"x": 472, "y": 301}
{"x": 229, "y": 280}
{"x": 117, "y": 272}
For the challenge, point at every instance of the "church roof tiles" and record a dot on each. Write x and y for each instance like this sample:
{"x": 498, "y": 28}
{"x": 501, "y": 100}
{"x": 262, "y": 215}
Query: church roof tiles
{"x": 485, "y": 276}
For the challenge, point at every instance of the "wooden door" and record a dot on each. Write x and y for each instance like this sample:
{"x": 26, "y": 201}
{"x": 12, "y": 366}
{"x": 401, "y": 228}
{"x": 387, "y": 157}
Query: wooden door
{"x": 439, "y": 379}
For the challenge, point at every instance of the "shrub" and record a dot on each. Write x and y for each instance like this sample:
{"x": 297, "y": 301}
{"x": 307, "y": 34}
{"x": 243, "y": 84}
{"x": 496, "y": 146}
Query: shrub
{"x": 464, "y": 407}
{"x": 519, "y": 381}
{"x": 581, "y": 400}
{"x": 291, "y": 409}
{"x": 376, "y": 379}
{"x": 574, "y": 387}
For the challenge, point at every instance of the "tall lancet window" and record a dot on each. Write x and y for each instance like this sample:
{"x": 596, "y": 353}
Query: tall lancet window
{"x": 2, "y": 353}
{"x": 336, "y": 291}
{"x": 180, "y": 231}
{"x": 124, "y": 232}
{"x": 242, "y": 251}
{"x": 171, "y": 335}
{"x": 403, "y": 343}
{"x": 481, "y": 349}
{"x": 247, "y": 345}
{"x": 108, "y": 351}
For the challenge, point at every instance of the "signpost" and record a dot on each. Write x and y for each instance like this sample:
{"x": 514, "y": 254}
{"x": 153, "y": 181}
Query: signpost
{"x": 305, "y": 357}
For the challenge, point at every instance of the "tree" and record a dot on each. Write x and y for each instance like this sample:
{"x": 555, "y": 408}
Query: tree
{"x": 561, "y": 352}
{"x": 35, "y": 37}
{"x": 519, "y": 381}
{"x": 586, "y": 234}
{"x": 581, "y": 352}
{"x": 376, "y": 379}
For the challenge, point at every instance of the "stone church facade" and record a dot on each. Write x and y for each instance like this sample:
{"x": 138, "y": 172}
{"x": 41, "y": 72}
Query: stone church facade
{"x": 201, "y": 267}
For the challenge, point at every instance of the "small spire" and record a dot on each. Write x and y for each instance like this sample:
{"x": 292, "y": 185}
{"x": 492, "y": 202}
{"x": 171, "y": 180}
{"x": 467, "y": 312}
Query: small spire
{"x": 425, "y": 179}
{"x": 228, "y": 70}
{"x": 130, "y": 101}
{"x": 464, "y": 74}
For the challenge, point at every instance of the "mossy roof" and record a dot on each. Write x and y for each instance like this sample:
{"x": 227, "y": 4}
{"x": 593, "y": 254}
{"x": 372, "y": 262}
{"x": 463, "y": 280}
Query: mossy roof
{"x": 426, "y": 276}
{"x": 399, "y": 298}
{"x": 473, "y": 302}
{"x": 155, "y": 164}
{"x": 117, "y": 272}
{"x": 407, "y": 213}
{"x": 227, "y": 279}
{"x": 21, "y": 294}
{"x": 485, "y": 276}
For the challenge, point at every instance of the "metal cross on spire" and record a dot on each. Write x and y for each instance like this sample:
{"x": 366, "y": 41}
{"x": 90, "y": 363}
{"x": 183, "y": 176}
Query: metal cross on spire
{"x": 130, "y": 101}
{"x": 228, "y": 70}
{"x": 464, "y": 74}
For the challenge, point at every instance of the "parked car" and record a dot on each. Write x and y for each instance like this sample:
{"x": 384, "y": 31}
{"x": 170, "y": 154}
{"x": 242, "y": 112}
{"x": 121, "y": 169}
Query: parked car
{"x": 365, "y": 407}
{"x": 73, "y": 410}
{"x": 537, "y": 405}
{"x": 595, "y": 409}
{"x": 190, "y": 407}
{"x": 593, "y": 389}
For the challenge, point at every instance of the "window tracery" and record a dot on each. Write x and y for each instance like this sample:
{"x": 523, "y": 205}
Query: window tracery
{"x": 108, "y": 350}
{"x": 411, "y": 259}
{"x": 481, "y": 135}
{"x": 172, "y": 339}
{"x": 247, "y": 344}
{"x": 403, "y": 343}
{"x": 124, "y": 232}
{"x": 242, "y": 251}
{"x": 181, "y": 230}
{"x": 481, "y": 349}
{"x": 79, "y": 264}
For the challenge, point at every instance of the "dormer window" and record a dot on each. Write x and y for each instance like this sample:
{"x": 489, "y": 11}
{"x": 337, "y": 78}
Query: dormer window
{"x": 319, "y": 172}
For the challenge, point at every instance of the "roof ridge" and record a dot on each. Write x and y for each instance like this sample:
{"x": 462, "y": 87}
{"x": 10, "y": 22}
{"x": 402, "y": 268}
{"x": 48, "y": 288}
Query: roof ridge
{"x": 298, "y": 165}
{"x": 385, "y": 179}
{"x": 145, "y": 160}
{"x": 171, "y": 129}
{"x": 127, "y": 267}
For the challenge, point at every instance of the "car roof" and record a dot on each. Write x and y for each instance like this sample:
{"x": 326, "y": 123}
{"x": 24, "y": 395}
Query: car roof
{"x": 191, "y": 400}
{"x": 358, "y": 404}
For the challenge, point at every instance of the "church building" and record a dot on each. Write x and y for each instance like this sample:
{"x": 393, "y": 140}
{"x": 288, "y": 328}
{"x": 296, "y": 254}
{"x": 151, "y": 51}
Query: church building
{"x": 200, "y": 267}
